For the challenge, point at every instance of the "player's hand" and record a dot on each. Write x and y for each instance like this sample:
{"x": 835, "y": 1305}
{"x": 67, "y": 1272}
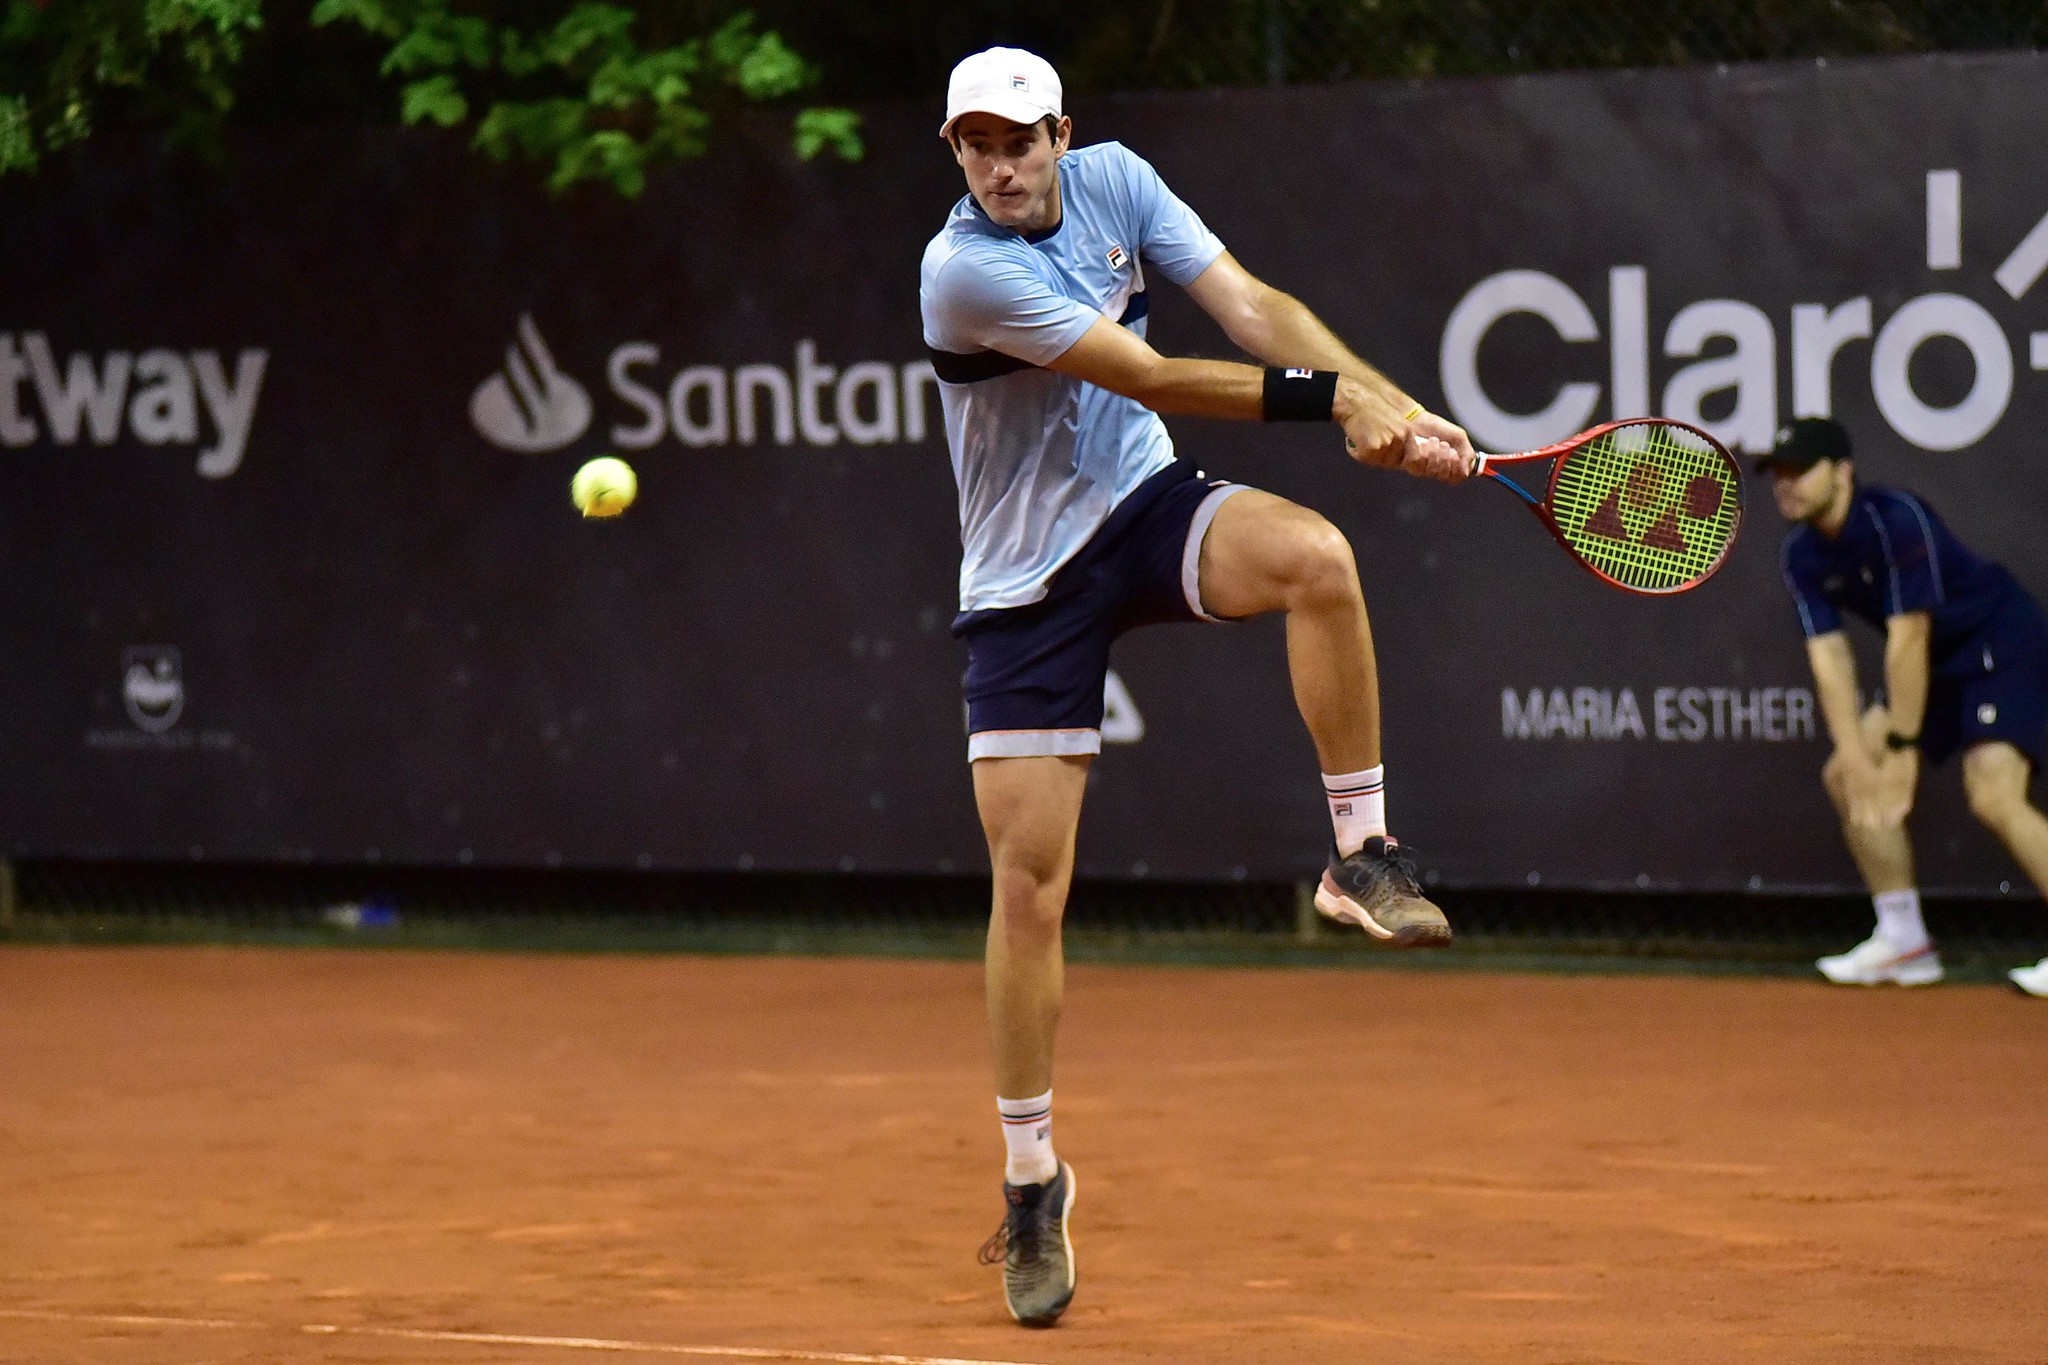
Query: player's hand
{"x": 1438, "y": 449}
{"x": 1891, "y": 796}
{"x": 1881, "y": 793}
{"x": 1427, "y": 447}
{"x": 1374, "y": 433}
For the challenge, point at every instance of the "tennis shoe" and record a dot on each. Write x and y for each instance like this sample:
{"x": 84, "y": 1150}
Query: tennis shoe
{"x": 1878, "y": 962}
{"x": 1036, "y": 1249}
{"x": 1375, "y": 889}
{"x": 2033, "y": 980}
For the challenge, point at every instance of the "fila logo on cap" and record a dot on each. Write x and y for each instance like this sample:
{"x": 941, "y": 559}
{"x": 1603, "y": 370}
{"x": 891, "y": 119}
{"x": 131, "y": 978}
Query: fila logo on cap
{"x": 1019, "y": 81}
{"x": 1116, "y": 258}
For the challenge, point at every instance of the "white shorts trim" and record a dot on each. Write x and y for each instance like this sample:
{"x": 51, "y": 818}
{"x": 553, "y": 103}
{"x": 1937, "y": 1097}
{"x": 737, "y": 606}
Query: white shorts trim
{"x": 1191, "y": 556}
{"x": 1033, "y": 743}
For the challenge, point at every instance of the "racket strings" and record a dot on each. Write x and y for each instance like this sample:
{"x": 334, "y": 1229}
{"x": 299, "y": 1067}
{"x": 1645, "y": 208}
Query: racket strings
{"x": 1653, "y": 507}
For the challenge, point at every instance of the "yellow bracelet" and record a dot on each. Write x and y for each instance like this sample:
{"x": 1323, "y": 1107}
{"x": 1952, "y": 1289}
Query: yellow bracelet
{"x": 1412, "y": 413}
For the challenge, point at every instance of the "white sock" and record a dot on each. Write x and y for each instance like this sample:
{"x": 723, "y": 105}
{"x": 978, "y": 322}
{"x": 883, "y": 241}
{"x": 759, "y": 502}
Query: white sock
{"x": 1358, "y": 806}
{"x": 1898, "y": 918}
{"x": 1027, "y": 1132}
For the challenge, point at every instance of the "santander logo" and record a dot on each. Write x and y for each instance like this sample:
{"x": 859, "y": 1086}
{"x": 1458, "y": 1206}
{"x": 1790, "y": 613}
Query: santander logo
{"x": 531, "y": 405}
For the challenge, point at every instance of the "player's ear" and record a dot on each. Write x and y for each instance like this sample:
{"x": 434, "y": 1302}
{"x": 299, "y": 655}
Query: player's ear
{"x": 1062, "y": 135}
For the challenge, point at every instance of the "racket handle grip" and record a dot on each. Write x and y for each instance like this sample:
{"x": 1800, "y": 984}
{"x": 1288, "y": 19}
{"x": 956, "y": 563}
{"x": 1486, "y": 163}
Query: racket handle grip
{"x": 1478, "y": 466}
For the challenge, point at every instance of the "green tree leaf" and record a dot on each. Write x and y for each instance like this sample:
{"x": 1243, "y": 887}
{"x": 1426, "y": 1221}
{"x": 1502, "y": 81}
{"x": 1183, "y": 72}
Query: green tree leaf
{"x": 439, "y": 40}
{"x": 770, "y": 70}
{"x": 604, "y": 30}
{"x": 817, "y": 130}
{"x": 437, "y": 99}
{"x": 535, "y": 130}
{"x": 568, "y": 86}
{"x": 17, "y": 146}
{"x": 372, "y": 16}
{"x": 610, "y": 156}
{"x": 60, "y": 61}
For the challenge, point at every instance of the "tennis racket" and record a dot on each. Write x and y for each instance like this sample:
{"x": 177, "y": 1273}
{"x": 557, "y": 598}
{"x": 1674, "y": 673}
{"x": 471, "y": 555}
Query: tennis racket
{"x": 1647, "y": 505}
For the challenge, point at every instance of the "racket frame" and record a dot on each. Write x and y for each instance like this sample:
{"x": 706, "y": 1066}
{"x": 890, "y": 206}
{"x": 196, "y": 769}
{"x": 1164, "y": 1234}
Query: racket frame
{"x": 1483, "y": 464}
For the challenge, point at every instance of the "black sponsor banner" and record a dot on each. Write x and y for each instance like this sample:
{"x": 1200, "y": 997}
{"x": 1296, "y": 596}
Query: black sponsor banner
{"x": 292, "y": 572}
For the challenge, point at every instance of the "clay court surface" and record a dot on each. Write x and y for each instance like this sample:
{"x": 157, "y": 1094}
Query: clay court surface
{"x": 789, "y": 1156}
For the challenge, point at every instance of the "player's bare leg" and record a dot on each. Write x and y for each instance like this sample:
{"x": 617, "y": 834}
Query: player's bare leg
{"x": 1264, "y": 553}
{"x": 1995, "y": 776}
{"x": 1883, "y": 855}
{"x": 1899, "y": 953}
{"x": 1030, "y": 808}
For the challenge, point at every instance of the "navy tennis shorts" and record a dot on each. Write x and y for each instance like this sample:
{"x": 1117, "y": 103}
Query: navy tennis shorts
{"x": 1993, "y": 688}
{"x": 1035, "y": 674}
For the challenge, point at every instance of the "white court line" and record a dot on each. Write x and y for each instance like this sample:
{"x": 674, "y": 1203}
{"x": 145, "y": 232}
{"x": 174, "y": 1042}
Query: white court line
{"x": 118, "y": 1319}
{"x": 512, "y": 1339}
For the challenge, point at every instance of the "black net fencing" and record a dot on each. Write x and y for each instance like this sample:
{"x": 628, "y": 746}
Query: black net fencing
{"x": 868, "y": 53}
{"x": 1283, "y": 41}
{"x": 1240, "y": 923}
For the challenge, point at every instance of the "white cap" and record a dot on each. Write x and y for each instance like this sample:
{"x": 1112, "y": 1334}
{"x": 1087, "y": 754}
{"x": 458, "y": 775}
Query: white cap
{"x": 1005, "y": 81}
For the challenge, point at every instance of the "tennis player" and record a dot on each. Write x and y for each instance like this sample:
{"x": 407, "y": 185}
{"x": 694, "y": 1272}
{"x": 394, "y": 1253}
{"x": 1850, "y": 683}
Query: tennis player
{"x": 1965, "y": 669}
{"x": 1078, "y": 524}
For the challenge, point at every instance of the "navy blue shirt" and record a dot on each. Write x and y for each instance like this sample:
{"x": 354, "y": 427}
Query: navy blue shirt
{"x": 1894, "y": 556}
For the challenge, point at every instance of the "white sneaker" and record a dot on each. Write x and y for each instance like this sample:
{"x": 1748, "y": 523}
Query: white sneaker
{"x": 1875, "y": 962}
{"x": 2033, "y": 980}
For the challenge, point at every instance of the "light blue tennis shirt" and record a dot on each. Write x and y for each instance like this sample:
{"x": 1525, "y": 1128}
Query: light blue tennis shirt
{"x": 1040, "y": 458}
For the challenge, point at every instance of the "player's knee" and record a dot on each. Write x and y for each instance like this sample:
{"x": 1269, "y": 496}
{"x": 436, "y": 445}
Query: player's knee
{"x": 1030, "y": 896}
{"x": 1992, "y": 803}
{"x": 1323, "y": 569}
{"x": 1832, "y": 779}
{"x": 1024, "y": 921}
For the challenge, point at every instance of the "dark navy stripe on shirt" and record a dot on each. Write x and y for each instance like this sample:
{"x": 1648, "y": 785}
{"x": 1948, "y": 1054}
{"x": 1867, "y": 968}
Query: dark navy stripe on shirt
{"x": 971, "y": 367}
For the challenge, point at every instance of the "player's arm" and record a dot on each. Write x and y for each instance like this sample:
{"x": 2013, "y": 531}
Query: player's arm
{"x": 1834, "y": 684}
{"x": 1906, "y": 671}
{"x": 1879, "y": 785}
{"x": 1113, "y": 357}
{"x": 1281, "y": 330}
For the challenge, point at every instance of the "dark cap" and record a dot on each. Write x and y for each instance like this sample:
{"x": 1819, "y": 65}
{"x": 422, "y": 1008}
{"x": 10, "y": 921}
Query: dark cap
{"x": 1804, "y": 444}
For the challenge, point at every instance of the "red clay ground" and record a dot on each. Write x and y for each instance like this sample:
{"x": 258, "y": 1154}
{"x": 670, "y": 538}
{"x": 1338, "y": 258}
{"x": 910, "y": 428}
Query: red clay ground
{"x": 1274, "y": 1166}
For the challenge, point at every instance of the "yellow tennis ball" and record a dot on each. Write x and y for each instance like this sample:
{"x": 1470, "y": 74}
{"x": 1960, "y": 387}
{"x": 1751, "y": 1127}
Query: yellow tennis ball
{"x": 604, "y": 487}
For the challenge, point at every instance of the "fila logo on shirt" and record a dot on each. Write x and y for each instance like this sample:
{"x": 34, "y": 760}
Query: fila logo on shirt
{"x": 1117, "y": 258}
